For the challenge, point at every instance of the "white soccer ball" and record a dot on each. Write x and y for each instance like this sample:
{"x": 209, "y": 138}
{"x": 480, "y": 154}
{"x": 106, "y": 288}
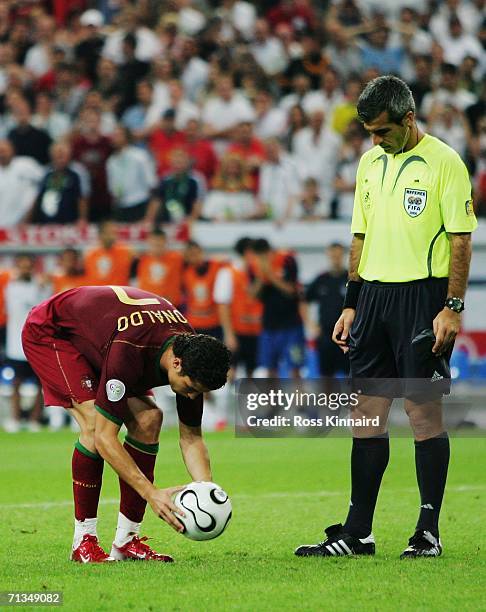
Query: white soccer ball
{"x": 207, "y": 510}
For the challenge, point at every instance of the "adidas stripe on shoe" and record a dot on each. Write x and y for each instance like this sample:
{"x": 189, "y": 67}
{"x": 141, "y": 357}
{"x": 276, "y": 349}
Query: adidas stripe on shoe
{"x": 338, "y": 544}
{"x": 422, "y": 544}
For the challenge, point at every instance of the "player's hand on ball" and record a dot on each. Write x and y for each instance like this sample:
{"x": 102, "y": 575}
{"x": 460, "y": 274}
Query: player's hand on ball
{"x": 161, "y": 503}
{"x": 340, "y": 333}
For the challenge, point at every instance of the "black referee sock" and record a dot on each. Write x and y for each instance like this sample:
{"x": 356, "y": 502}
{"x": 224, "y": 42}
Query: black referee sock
{"x": 369, "y": 459}
{"x": 431, "y": 463}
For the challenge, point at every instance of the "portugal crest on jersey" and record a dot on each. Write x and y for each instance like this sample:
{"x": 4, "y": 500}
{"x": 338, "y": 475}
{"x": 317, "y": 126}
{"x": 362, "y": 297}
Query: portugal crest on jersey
{"x": 414, "y": 201}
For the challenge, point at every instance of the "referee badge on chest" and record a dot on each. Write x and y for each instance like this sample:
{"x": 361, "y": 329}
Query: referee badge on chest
{"x": 414, "y": 201}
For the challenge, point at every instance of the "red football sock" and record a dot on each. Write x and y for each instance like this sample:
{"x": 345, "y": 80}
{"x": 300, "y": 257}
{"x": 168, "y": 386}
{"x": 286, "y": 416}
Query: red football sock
{"x": 131, "y": 504}
{"x": 87, "y": 477}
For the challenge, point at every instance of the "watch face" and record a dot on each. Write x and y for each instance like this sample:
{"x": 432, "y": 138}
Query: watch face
{"x": 455, "y": 304}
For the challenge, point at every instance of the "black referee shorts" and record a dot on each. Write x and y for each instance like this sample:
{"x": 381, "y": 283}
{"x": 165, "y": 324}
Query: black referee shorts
{"x": 388, "y": 318}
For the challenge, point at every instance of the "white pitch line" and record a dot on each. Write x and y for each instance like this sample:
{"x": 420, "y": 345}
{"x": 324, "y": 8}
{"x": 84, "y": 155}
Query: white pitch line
{"x": 244, "y": 496}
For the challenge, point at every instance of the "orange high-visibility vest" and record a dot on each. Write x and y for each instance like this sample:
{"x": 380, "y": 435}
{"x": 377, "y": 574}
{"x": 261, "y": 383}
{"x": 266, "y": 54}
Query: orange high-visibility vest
{"x": 162, "y": 275}
{"x": 202, "y": 311}
{"x": 5, "y": 276}
{"x": 246, "y": 311}
{"x": 63, "y": 282}
{"x": 108, "y": 266}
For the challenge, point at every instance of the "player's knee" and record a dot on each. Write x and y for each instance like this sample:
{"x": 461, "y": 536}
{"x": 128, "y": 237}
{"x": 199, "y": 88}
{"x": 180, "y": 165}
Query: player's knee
{"x": 146, "y": 427}
{"x": 86, "y": 418}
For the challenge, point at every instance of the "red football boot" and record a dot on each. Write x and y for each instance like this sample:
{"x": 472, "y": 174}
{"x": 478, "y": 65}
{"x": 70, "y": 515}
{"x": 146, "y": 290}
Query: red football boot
{"x": 89, "y": 551}
{"x": 137, "y": 550}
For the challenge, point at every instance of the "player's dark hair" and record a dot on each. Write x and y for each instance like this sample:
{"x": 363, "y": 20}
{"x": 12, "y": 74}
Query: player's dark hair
{"x": 242, "y": 245}
{"x": 385, "y": 94}
{"x": 205, "y": 359}
{"x": 261, "y": 245}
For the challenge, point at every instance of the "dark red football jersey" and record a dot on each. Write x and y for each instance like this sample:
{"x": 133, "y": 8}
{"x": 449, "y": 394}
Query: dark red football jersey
{"x": 122, "y": 333}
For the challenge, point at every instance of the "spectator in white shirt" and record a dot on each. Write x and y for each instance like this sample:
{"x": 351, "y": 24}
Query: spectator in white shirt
{"x": 458, "y": 44}
{"x": 470, "y": 16}
{"x": 163, "y": 71}
{"x": 279, "y": 182}
{"x": 271, "y": 121}
{"x": 19, "y": 181}
{"x": 315, "y": 151}
{"x": 449, "y": 92}
{"x": 190, "y": 19}
{"x": 342, "y": 53}
{"x": 268, "y": 50}
{"x": 131, "y": 178}
{"x": 451, "y": 126}
{"x": 327, "y": 97}
{"x": 238, "y": 18}
{"x": 148, "y": 45}
{"x": 195, "y": 74}
{"x": 222, "y": 112}
{"x": 300, "y": 88}
{"x": 38, "y": 57}
{"x": 309, "y": 206}
{"x": 183, "y": 108}
{"x": 23, "y": 292}
{"x": 55, "y": 123}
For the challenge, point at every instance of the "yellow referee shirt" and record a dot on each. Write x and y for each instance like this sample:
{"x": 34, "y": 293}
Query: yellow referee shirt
{"x": 405, "y": 204}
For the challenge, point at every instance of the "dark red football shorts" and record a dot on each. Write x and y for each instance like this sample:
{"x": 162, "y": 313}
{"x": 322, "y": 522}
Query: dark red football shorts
{"x": 64, "y": 373}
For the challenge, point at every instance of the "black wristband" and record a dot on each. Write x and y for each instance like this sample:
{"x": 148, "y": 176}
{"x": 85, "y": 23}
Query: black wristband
{"x": 352, "y": 294}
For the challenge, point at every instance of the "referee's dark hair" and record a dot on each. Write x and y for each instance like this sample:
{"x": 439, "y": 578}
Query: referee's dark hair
{"x": 385, "y": 94}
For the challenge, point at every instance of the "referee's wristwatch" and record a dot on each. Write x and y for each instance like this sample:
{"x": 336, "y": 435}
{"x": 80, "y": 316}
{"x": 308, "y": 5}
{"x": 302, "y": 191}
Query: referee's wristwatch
{"x": 455, "y": 304}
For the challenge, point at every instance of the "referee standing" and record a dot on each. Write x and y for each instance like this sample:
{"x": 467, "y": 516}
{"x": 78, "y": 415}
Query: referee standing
{"x": 408, "y": 270}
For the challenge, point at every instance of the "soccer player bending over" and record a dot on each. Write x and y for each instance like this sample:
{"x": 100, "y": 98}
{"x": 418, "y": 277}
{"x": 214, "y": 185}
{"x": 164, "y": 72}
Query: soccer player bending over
{"x": 408, "y": 271}
{"x": 98, "y": 352}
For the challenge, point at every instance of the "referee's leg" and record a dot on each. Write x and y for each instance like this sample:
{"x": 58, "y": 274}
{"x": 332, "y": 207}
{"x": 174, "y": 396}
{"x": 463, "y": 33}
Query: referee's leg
{"x": 370, "y": 357}
{"x": 432, "y": 452}
{"x": 369, "y": 458}
{"x": 416, "y": 306}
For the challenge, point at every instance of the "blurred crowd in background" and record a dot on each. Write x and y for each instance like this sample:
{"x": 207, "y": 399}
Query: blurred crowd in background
{"x": 195, "y": 109}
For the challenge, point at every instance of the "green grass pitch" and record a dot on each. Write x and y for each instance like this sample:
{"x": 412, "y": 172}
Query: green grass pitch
{"x": 284, "y": 492}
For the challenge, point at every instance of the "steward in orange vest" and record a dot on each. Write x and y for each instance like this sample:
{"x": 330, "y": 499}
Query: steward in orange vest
{"x": 199, "y": 278}
{"x": 160, "y": 270}
{"x": 70, "y": 273}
